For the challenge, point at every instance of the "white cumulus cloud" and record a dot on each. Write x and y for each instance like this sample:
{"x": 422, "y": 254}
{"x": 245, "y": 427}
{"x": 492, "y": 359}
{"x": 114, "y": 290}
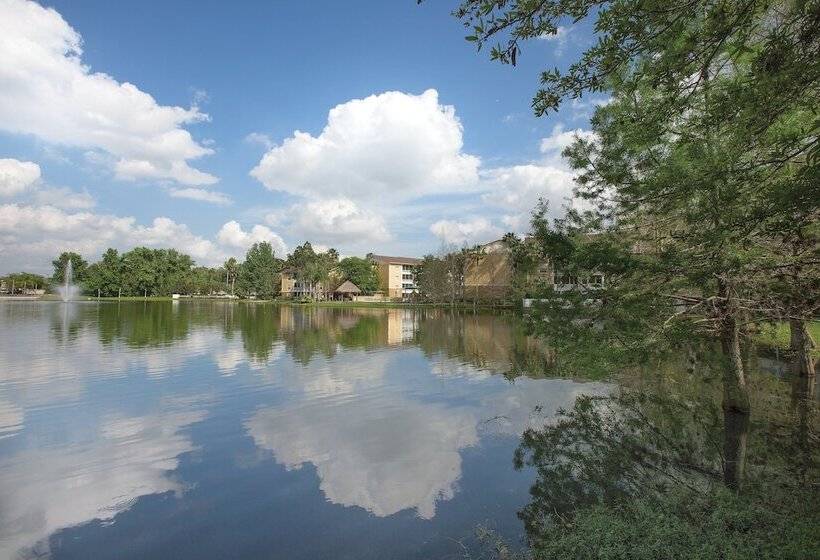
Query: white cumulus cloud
{"x": 33, "y": 235}
{"x": 555, "y": 143}
{"x": 334, "y": 221}
{"x": 392, "y": 145}
{"x": 516, "y": 189}
{"x": 203, "y": 195}
{"x": 49, "y": 92}
{"x": 232, "y": 235}
{"x": 63, "y": 197}
{"x": 477, "y": 230}
{"x": 17, "y": 176}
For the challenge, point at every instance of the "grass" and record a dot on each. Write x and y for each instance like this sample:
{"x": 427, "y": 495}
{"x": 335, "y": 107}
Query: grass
{"x": 683, "y": 525}
{"x": 776, "y": 335}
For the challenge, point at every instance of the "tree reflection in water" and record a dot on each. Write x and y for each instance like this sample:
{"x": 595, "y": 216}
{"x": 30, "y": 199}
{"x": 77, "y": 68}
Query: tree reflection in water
{"x": 666, "y": 450}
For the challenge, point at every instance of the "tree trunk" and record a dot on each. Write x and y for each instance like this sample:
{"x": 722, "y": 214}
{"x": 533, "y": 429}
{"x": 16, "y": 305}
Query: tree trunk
{"x": 735, "y": 431}
{"x": 735, "y": 389}
{"x": 800, "y": 347}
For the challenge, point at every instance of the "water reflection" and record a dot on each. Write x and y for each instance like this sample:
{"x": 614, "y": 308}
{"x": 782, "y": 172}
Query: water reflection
{"x": 110, "y": 403}
{"x": 42, "y": 490}
{"x": 669, "y": 435}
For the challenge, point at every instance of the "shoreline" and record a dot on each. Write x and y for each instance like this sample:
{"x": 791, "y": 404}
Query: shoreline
{"x": 775, "y": 337}
{"x": 340, "y": 304}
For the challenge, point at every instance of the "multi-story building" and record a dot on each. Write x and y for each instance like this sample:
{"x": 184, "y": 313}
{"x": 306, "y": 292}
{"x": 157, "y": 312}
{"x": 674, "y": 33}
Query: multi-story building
{"x": 397, "y": 279}
{"x": 488, "y": 275}
{"x": 293, "y": 288}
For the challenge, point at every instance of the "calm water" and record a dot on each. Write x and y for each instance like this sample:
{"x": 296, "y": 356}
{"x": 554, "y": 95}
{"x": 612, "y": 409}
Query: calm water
{"x": 211, "y": 430}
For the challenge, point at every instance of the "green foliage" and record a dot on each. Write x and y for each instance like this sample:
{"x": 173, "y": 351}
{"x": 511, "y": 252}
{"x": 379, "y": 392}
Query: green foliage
{"x": 259, "y": 274}
{"x": 22, "y": 280}
{"x": 361, "y": 272}
{"x": 671, "y": 44}
{"x": 155, "y": 272}
{"x": 431, "y": 279}
{"x": 661, "y": 470}
{"x": 776, "y": 335}
{"x": 685, "y": 525}
{"x": 440, "y": 278}
{"x": 105, "y": 277}
{"x": 312, "y": 268}
{"x": 701, "y": 177}
{"x": 231, "y": 268}
{"x": 148, "y": 273}
{"x": 79, "y": 266}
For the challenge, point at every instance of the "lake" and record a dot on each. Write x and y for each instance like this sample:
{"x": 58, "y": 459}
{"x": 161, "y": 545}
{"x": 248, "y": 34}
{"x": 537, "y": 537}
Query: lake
{"x": 222, "y": 430}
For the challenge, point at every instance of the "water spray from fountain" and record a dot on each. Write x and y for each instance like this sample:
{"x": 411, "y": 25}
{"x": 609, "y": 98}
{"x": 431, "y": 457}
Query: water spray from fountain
{"x": 68, "y": 290}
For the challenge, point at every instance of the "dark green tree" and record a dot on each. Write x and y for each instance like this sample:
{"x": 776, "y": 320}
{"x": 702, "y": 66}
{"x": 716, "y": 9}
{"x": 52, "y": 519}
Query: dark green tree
{"x": 231, "y": 268}
{"x": 432, "y": 279}
{"x": 312, "y": 268}
{"x": 105, "y": 277}
{"x": 713, "y": 120}
{"x": 259, "y": 273}
{"x": 78, "y": 263}
{"x": 361, "y": 272}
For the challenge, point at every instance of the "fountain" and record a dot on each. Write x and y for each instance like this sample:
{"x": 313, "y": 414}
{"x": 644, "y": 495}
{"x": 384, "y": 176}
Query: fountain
{"x": 68, "y": 290}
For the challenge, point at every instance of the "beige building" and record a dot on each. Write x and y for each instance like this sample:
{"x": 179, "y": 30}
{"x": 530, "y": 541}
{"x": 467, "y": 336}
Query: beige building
{"x": 488, "y": 274}
{"x": 397, "y": 279}
{"x": 292, "y": 288}
{"x": 402, "y": 325}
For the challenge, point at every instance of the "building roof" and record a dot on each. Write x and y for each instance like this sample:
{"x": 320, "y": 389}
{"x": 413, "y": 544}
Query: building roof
{"x": 395, "y": 260}
{"x": 497, "y": 246}
{"x": 348, "y": 287}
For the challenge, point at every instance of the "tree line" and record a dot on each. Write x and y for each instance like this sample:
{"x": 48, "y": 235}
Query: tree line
{"x": 147, "y": 272}
{"x": 19, "y": 282}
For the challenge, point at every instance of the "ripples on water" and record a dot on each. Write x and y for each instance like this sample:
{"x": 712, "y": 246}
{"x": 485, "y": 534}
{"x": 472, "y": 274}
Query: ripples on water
{"x": 211, "y": 430}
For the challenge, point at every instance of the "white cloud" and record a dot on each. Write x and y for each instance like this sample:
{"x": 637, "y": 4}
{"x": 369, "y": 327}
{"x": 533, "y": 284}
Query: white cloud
{"x": 517, "y": 189}
{"x": 11, "y": 419}
{"x": 560, "y": 35}
{"x": 34, "y": 234}
{"x": 477, "y": 230}
{"x": 63, "y": 197}
{"x": 232, "y": 235}
{"x": 203, "y": 195}
{"x": 44, "y": 490}
{"x": 49, "y": 92}
{"x": 560, "y": 39}
{"x": 261, "y": 139}
{"x": 400, "y": 455}
{"x": 17, "y": 176}
{"x": 391, "y": 146}
{"x": 332, "y": 221}
{"x": 560, "y": 139}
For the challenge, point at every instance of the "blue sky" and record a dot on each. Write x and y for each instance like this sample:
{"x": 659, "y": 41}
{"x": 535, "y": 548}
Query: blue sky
{"x": 451, "y": 155}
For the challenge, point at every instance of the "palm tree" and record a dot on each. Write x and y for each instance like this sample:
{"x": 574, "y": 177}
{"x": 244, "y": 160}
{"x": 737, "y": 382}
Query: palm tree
{"x": 231, "y": 269}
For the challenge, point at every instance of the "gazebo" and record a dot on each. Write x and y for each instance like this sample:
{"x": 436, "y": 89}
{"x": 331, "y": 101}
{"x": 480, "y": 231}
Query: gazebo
{"x": 346, "y": 291}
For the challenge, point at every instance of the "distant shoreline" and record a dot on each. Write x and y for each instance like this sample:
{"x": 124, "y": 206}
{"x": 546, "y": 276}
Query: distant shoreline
{"x": 342, "y": 304}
